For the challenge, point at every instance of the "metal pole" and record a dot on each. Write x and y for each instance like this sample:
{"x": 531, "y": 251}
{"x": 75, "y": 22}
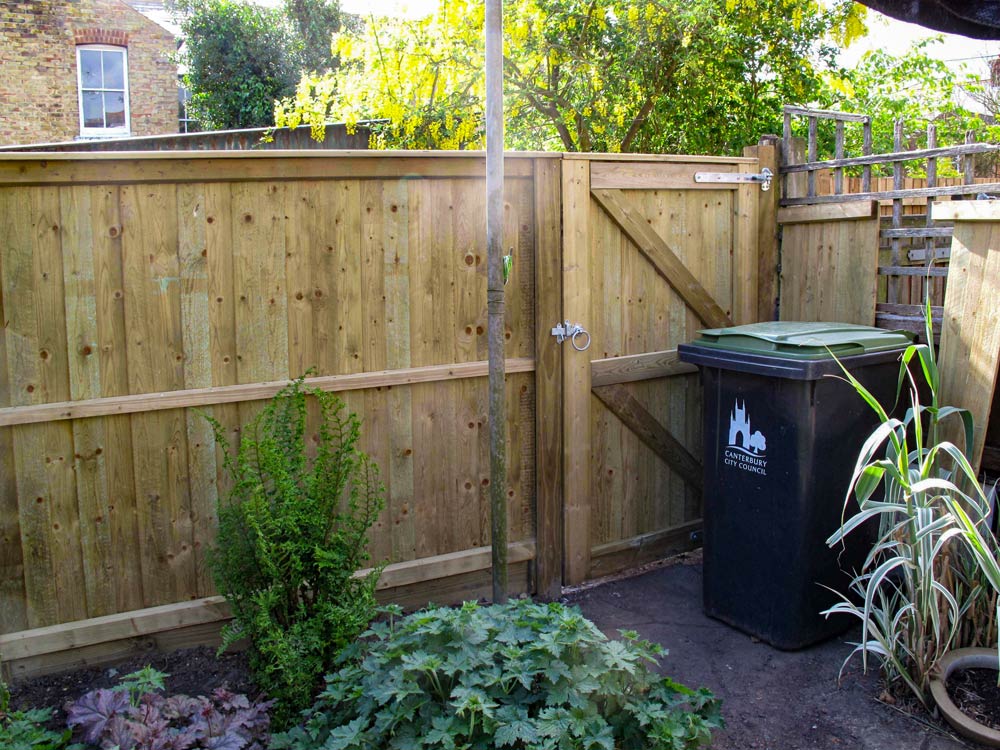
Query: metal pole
{"x": 495, "y": 296}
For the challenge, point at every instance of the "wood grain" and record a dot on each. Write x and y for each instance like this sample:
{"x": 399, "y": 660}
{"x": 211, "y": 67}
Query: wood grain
{"x": 970, "y": 329}
{"x": 549, "y": 488}
{"x": 634, "y": 416}
{"x": 576, "y": 373}
{"x": 663, "y": 258}
{"x": 828, "y": 270}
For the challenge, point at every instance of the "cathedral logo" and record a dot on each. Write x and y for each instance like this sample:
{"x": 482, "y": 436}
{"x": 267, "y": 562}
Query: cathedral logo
{"x": 746, "y": 448}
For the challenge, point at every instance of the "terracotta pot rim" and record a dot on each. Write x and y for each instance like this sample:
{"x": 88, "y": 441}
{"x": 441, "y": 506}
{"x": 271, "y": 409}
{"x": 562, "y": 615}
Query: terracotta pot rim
{"x": 964, "y": 658}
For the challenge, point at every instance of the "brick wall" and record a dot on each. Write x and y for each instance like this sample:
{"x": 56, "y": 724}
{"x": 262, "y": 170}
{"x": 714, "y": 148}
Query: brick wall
{"x": 38, "y": 89}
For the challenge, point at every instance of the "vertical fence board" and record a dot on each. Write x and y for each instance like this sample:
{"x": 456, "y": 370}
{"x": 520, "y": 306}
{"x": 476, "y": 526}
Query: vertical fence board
{"x": 346, "y": 322}
{"x": 470, "y": 345}
{"x": 548, "y": 379}
{"x": 375, "y": 426}
{"x": 396, "y": 265}
{"x": 13, "y": 613}
{"x": 203, "y": 468}
{"x": 156, "y": 363}
{"x": 221, "y": 317}
{"x": 85, "y": 382}
{"x": 576, "y": 372}
{"x": 112, "y": 343}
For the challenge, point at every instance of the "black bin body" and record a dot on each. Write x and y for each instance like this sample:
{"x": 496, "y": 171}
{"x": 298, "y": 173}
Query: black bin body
{"x": 781, "y": 439}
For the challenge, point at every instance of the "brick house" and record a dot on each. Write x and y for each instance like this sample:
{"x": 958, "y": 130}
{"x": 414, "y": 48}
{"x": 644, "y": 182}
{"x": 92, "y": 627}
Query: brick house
{"x": 84, "y": 69}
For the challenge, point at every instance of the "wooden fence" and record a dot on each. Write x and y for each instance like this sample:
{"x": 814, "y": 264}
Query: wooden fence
{"x": 138, "y": 291}
{"x": 867, "y": 249}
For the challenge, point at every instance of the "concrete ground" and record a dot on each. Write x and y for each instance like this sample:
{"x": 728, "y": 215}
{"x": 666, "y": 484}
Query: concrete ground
{"x": 773, "y": 700}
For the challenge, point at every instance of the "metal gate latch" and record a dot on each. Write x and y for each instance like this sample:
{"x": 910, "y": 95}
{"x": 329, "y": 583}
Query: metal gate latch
{"x": 572, "y": 331}
{"x": 764, "y": 178}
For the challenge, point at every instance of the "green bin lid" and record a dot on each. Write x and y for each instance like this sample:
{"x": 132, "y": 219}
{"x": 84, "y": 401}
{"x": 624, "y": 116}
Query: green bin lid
{"x": 794, "y": 340}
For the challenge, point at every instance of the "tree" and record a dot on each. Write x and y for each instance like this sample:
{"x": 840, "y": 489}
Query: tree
{"x": 315, "y": 21}
{"x": 242, "y": 57}
{"x": 581, "y": 75}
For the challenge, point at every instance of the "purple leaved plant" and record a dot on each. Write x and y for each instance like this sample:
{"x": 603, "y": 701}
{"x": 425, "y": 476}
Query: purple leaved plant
{"x": 107, "y": 719}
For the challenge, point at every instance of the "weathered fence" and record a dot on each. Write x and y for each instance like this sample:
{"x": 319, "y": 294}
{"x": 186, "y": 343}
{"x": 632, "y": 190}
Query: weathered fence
{"x": 336, "y": 136}
{"x": 868, "y": 249}
{"x": 138, "y": 291}
{"x": 910, "y": 247}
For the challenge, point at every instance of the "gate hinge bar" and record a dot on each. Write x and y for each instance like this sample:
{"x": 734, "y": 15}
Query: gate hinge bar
{"x": 764, "y": 177}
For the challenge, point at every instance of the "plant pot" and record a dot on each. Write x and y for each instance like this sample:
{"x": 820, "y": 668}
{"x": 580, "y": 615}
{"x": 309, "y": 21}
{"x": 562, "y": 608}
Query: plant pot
{"x": 953, "y": 661}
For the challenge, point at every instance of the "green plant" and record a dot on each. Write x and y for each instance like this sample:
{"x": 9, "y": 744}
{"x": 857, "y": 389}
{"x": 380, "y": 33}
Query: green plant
{"x": 930, "y": 581}
{"x": 521, "y": 675}
{"x": 136, "y": 684}
{"x": 26, "y": 730}
{"x": 291, "y": 537}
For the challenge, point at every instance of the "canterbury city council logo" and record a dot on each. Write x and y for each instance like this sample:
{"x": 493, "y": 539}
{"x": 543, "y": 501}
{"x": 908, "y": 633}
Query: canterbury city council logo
{"x": 746, "y": 448}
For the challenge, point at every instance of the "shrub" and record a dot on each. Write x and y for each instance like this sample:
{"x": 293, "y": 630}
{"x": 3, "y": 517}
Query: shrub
{"x": 519, "y": 675}
{"x": 292, "y": 534}
{"x": 26, "y": 730}
{"x": 126, "y": 719}
{"x": 930, "y": 581}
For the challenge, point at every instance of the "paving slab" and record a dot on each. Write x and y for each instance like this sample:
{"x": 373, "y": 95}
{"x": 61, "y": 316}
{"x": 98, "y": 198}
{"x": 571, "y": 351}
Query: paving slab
{"x": 771, "y": 699}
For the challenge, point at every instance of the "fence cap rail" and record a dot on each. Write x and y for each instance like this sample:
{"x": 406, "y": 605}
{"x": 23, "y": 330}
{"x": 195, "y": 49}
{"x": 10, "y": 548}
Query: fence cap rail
{"x": 269, "y": 154}
{"x": 826, "y": 114}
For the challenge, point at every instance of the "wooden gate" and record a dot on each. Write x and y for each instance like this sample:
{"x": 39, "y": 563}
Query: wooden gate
{"x": 649, "y": 258}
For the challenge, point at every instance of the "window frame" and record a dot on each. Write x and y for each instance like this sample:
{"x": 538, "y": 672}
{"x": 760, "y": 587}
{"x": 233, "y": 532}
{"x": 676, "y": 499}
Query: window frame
{"x": 112, "y": 132}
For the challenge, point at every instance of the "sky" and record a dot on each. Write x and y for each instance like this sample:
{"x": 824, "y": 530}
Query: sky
{"x": 896, "y": 37}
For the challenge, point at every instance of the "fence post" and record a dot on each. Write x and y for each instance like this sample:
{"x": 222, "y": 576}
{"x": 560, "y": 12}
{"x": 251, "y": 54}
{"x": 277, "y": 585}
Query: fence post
{"x": 767, "y": 152}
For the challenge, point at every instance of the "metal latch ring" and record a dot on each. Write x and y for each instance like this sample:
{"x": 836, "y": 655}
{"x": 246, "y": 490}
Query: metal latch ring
{"x": 580, "y": 331}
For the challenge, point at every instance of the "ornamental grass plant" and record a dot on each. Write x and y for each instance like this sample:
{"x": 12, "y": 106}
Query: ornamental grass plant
{"x": 929, "y": 583}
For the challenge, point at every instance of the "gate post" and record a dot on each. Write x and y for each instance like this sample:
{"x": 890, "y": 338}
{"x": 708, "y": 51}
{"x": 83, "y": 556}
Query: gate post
{"x": 576, "y": 371}
{"x": 767, "y": 153}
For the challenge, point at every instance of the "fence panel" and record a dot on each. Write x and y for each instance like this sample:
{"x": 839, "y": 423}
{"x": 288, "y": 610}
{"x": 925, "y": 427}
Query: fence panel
{"x": 139, "y": 292}
{"x": 828, "y": 269}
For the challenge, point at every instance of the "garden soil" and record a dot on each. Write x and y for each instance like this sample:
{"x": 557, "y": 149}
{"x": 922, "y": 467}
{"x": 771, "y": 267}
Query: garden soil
{"x": 772, "y": 700}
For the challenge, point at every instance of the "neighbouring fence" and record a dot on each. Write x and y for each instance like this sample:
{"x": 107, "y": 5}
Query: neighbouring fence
{"x": 139, "y": 291}
{"x": 910, "y": 249}
{"x": 869, "y": 249}
{"x": 335, "y": 137}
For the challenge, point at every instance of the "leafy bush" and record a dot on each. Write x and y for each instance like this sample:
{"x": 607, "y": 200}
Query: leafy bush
{"x": 26, "y": 730}
{"x": 929, "y": 583}
{"x": 111, "y": 719}
{"x": 291, "y": 536}
{"x": 519, "y": 675}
